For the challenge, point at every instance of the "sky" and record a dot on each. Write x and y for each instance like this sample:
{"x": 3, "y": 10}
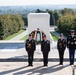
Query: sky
{"x": 34, "y": 2}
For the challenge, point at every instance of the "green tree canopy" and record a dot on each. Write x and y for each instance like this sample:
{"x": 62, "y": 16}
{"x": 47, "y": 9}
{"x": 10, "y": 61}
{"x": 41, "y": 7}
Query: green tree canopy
{"x": 10, "y": 24}
{"x": 67, "y": 22}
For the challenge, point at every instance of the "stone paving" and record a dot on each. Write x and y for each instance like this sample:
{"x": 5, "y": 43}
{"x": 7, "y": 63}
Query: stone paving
{"x": 13, "y": 60}
{"x": 21, "y": 68}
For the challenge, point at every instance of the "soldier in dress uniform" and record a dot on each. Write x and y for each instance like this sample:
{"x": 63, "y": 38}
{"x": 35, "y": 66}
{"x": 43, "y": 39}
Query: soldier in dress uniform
{"x": 30, "y": 48}
{"x": 71, "y": 45}
{"x": 45, "y": 48}
{"x": 61, "y": 46}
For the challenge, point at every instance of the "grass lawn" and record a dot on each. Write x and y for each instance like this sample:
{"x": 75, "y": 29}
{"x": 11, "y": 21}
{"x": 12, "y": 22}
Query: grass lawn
{"x": 55, "y": 38}
{"x": 24, "y": 38}
{"x": 13, "y": 35}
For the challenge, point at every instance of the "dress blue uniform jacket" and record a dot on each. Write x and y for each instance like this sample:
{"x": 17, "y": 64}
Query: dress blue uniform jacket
{"x": 30, "y": 45}
{"x": 45, "y": 46}
{"x": 61, "y": 44}
{"x": 71, "y": 42}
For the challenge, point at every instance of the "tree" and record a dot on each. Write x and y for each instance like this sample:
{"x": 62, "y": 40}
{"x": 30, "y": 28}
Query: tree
{"x": 67, "y": 11}
{"x": 10, "y": 24}
{"x": 57, "y": 15}
{"x": 67, "y": 22}
{"x": 52, "y": 20}
{"x": 38, "y": 11}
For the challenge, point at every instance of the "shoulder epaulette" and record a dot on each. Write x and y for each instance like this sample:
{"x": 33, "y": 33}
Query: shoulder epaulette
{"x": 48, "y": 41}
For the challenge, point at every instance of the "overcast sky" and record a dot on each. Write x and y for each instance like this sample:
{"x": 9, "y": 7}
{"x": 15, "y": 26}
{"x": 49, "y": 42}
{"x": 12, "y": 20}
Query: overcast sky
{"x": 34, "y": 2}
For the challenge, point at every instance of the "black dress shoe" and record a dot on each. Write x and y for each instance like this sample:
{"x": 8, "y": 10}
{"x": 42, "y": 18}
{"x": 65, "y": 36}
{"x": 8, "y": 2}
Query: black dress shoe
{"x": 60, "y": 63}
{"x": 31, "y": 65}
{"x": 45, "y": 65}
{"x": 71, "y": 63}
{"x": 28, "y": 65}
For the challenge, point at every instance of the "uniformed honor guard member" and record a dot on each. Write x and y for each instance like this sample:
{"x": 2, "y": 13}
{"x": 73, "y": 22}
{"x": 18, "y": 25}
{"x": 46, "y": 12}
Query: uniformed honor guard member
{"x": 71, "y": 45}
{"x": 61, "y": 46}
{"x": 45, "y": 48}
{"x": 30, "y": 48}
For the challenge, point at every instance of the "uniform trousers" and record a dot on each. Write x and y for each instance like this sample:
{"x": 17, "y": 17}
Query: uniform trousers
{"x": 71, "y": 55}
{"x": 30, "y": 57}
{"x": 45, "y": 57}
{"x": 61, "y": 55}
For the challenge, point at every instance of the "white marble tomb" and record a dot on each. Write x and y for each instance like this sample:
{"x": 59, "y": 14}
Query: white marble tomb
{"x": 41, "y": 21}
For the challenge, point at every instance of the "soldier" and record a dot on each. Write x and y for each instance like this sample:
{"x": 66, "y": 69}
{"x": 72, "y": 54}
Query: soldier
{"x": 71, "y": 44}
{"x": 30, "y": 48}
{"x": 61, "y": 46}
{"x": 45, "y": 48}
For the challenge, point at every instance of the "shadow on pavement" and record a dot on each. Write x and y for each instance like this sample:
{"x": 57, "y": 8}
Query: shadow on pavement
{"x": 13, "y": 70}
{"x": 40, "y": 70}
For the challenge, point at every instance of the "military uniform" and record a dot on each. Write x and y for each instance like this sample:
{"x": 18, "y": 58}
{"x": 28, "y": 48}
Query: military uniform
{"x": 45, "y": 48}
{"x": 71, "y": 44}
{"x": 30, "y": 48}
{"x": 61, "y": 46}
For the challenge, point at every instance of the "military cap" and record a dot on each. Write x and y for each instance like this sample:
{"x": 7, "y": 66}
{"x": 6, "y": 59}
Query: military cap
{"x": 61, "y": 34}
{"x": 72, "y": 30}
{"x": 44, "y": 35}
{"x": 29, "y": 34}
